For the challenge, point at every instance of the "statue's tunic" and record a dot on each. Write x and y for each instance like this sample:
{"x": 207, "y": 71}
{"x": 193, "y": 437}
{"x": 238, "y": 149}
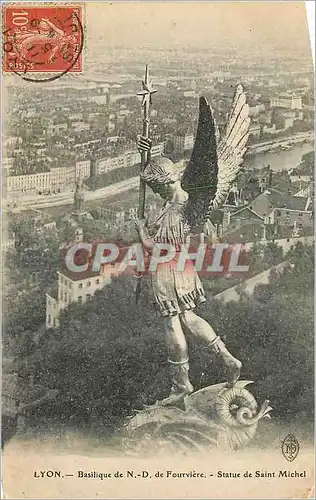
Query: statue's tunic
{"x": 175, "y": 291}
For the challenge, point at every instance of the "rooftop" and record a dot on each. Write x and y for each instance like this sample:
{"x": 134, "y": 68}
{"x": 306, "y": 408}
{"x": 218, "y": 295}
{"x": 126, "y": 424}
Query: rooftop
{"x": 285, "y": 95}
{"x": 74, "y": 276}
{"x": 265, "y": 202}
{"x": 252, "y": 232}
{"x": 245, "y": 234}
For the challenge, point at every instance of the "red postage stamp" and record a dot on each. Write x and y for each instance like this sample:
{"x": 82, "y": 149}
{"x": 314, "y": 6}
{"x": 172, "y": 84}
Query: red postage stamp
{"x": 42, "y": 38}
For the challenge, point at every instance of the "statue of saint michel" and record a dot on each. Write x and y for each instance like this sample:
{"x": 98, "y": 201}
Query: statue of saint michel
{"x": 189, "y": 201}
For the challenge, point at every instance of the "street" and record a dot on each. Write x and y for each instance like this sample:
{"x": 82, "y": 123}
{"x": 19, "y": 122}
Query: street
{"x": 66, "y": 198}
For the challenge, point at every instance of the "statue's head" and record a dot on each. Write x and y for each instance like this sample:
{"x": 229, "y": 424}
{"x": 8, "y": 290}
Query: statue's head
{"x": 160, "y": 174}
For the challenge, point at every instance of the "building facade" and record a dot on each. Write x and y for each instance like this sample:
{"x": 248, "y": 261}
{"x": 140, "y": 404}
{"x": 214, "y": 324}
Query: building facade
{"x": 61, "y": 178}
{"x": 82, "y": 170}
{"x": 57, "y": 179}
{"x": 288, "y": 217}
{"x": 183, "y": 142}
{"x": 156, "y": 150}
{"x": 72, "y": 288}
{"x": 287, "y": 101}
{"x": 31, "y": 183}
{"x": 125, "y": 160}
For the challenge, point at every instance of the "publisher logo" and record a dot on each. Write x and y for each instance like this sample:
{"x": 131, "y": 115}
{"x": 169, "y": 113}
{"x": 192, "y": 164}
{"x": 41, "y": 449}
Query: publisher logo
{"x": 290, "y": 448}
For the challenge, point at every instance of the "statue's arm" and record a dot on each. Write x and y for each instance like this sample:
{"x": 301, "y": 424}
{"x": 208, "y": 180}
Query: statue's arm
{"x": 144, "y": 237}
{"x": 146, "y": 241}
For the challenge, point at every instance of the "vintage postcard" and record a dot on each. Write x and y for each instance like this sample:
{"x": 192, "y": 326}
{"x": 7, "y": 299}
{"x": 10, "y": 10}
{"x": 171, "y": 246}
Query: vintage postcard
{"x": 157, "y": 250}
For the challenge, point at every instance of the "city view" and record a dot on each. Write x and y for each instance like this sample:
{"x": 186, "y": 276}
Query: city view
{"x": 71, "y": 170}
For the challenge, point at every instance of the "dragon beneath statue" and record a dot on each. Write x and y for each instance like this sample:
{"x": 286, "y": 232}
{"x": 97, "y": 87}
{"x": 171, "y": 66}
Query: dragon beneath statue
{"x": 216, "y": 416}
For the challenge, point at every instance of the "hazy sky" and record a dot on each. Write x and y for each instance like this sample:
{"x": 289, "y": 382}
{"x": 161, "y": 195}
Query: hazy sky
{"x": 173, "y": 24}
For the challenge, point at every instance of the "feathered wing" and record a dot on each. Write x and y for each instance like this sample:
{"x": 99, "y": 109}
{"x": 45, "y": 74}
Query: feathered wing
{"x": 232, "y": 148}
{"x": 213, "y": 168}
{"x": 200, "y": 176}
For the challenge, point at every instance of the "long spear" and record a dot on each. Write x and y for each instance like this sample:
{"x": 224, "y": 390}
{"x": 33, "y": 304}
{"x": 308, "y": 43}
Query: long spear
{"x": 146, "y": 93}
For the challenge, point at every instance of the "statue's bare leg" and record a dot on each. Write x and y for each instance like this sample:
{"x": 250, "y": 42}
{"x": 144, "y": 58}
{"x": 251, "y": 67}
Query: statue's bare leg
{"x": 176, "y": 342}
{"x": 201, "y": 329}
{"x": 178, "y": 362}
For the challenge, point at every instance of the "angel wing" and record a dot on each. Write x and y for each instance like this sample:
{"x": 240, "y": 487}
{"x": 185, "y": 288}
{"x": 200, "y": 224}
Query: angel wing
{"x": 200, "y": 176}
{"x": 213, "y": 168}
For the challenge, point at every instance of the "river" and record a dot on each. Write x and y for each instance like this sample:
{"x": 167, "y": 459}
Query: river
{"x": 280, "y": 160}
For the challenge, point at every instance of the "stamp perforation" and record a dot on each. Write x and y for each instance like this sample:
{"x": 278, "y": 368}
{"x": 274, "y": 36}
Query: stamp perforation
{"x": 56, "y": 43}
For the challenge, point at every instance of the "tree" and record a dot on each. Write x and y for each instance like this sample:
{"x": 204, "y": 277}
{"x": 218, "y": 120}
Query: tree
{"x": 272, "y": 254}
{"x": 272, "y": 332}
{"x": 107, "y": 370}
{"x": 109, "y": 356}
{"x": 306, "y": 167}
{"x": 30, "y": 269}
{"x": 248, "y": 184}
{"x": 281, "y": 181}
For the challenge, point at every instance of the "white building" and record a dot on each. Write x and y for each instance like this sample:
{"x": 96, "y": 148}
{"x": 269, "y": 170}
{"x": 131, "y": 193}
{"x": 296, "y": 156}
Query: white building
{"x": 82, "y": 169}
{"x": 64, "y": 177}
{"x": 29, "y": 183}
{"x": 80, "y": 126}
{"x": 287, "y": 101}
{"x": 156, "y": 150}
{"x": 73, "y": 287}
{"x": 301, "y": 178}
{"x": 69, "y": 177}
{"x": 86, "y": 147}
{"x": 126, "y": 160}
{"x": 132, "y": 158}
{"x": 288, "y": 217}
{"x": 183, "y": 142}
{"x": 58, "y": 178}
{"x": 103, "y": 166}
{"x": 116, "y": 97}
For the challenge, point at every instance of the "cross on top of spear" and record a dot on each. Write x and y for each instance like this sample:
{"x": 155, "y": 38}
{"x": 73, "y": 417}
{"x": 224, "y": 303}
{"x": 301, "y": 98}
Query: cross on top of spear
{"x": 146, "y": 94}
{"x": 148, "y": 89}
